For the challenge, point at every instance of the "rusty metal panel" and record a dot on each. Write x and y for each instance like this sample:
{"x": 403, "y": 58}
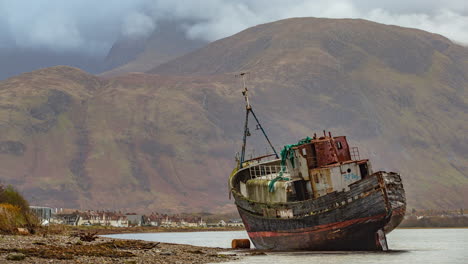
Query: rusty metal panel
{"x": 342, "y": 148}
{"x": 325, "y": 153}
{"x": 311, "y": 156}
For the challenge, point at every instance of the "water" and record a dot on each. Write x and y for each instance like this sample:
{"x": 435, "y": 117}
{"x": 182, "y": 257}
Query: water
{"x": 411, "y": 246}
{"x": 220, "y": 239}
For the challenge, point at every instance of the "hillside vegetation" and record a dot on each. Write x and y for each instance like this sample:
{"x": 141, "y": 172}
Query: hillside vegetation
{"x": 166, "y": 139}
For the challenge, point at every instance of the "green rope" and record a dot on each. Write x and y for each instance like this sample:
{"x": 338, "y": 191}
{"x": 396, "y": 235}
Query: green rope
{"x": 271, "y": 185}
{"x": 286, "y": 153}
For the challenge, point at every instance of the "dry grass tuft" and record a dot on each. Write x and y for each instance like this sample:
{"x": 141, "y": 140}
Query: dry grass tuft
{"x": 14, "y": 212}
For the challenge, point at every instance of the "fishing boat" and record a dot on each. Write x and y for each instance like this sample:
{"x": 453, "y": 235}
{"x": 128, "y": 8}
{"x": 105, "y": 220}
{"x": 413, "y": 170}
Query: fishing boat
{"x": 317, "y": 194}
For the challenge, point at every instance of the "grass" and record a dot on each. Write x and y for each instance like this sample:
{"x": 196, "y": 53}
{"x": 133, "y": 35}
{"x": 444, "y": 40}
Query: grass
{"x": 14, "y": 212}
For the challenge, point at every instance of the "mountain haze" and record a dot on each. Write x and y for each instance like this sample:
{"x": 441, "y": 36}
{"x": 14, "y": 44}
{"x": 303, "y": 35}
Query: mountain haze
{"x": 167, "y": 42}
{"x": 166, "y": 139}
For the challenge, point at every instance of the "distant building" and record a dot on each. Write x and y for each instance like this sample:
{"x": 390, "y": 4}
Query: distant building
{"x": 235, "y": 222}
{"x": 135, "y": 219}
{"x": 220, "y": 223}
{"x": 43, "y": 213}
{"x": 66, "y": 218}
{"x": 212, "y": 225}
{"x": 103, "y": 219}
{"x": 153, "y": 220}
{"x": 168, "y": 221}
{"x": 201, "y": 223}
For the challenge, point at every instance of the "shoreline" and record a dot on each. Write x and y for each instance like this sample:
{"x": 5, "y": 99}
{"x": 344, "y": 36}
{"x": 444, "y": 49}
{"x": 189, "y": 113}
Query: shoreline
{"x": 61, "y": 244}
{"x": 106, "y": 230}
{"x": 47, "y": 248}
{"x": 142, "y": 230}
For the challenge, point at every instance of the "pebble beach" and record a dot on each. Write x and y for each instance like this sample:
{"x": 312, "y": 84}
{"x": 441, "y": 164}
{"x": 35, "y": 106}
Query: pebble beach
{"x": 53, "y": 248}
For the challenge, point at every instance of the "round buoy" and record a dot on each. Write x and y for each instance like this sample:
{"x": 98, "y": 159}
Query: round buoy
{"x": 240, "y": 243}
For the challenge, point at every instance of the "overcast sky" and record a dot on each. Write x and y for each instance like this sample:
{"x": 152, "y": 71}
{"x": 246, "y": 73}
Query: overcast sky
{"x": 92, "y": 26}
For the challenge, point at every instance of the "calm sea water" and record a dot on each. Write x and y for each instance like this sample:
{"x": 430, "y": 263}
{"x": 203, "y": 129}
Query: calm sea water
{"x": 411, "y": 246}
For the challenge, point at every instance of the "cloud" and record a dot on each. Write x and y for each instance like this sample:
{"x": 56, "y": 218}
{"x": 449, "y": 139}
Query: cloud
{"x": 76, "y": 25}
{"x": 137, "y": 25}
{"x": 432, "y": 16}
{"x": 93, "y": 26}
{"x": 445, "y": 22}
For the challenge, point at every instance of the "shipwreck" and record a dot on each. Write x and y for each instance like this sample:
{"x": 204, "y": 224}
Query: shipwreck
{"x": 317, "y": 194}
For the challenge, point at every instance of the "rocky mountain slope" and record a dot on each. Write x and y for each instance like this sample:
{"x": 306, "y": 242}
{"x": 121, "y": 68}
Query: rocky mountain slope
{"x": 166, "y": 139}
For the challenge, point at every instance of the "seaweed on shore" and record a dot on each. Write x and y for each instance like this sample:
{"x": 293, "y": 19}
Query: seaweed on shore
{"x": 113, "y": 249}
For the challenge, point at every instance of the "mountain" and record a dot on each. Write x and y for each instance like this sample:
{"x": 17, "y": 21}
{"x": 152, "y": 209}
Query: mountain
{"x": 167, "y": 42}
{"x": 14, "y": 61}
{"x": 70, "y": 139}
{"x": 127, "y": 54}
{"x": 399, "y": 93}
{"x": 166, "y": 139}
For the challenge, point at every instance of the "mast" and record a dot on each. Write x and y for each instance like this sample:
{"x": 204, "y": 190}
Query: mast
{"x": 248, "y": 110}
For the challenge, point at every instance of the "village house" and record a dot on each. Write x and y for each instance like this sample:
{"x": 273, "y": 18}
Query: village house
{"x": 220, "y": 223}
{"x": 165, "y": 220}
{"x": 135, "y": 219}
{"x": 153, "y": 220}
{"x": 235, "y": 223}
{"x": 169, "y": 221}
{"x": 66, "y": 218}
{"x": 103, "y": 219}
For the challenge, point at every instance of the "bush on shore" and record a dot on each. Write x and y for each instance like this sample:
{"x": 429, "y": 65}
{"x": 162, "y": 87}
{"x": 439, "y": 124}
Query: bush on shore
{"x": 15, "y": 212}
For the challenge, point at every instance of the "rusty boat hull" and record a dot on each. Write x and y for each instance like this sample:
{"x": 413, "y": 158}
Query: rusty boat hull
{"x": 316, "y": 194}
{"x": 356, "y": 219}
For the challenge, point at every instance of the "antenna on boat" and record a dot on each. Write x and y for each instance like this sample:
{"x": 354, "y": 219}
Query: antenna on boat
{"x": 249, "y": 110}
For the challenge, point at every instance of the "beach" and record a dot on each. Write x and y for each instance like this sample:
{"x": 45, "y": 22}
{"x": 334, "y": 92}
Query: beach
{"x": 59, "y": 248}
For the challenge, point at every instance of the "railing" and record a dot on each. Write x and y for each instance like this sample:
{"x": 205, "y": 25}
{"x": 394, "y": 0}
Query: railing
{"x": 355, "y": 153}
{"x": 268, "y": 172}
{"x": 260, "y": 159}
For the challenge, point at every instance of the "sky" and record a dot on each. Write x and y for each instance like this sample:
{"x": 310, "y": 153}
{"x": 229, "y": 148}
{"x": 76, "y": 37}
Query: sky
{"x": 91, "y": 27}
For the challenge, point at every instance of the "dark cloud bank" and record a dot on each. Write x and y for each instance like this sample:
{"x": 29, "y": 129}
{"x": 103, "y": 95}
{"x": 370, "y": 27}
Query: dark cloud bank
{"x": 90, "y": 28}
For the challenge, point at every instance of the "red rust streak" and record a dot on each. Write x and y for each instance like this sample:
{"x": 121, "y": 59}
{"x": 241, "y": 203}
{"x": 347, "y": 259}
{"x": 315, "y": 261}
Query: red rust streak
{"x": 319, "y": 228}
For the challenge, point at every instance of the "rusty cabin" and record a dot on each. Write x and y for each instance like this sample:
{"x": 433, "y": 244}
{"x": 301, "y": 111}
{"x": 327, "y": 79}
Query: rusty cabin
{"x": 316, "y": 167}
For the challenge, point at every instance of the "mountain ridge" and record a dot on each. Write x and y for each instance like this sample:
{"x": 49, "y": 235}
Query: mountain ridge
{"x": 166, "y": 140}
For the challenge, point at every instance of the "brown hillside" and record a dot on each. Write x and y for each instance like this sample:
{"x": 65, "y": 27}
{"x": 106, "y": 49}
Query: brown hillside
{"x": 72, "y": 140}
{"x": 398, "y": 92}
{"x": 167, "y": 140}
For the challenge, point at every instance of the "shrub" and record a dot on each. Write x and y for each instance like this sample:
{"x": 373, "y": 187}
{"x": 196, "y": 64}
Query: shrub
{"x": 11, "y": 196}
{"x": 14, "y": 212}
{"x": 10, "y": 218}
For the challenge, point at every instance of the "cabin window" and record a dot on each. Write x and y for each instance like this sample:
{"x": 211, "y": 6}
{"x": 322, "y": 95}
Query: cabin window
{"x": 339, "y": 145}
{"x": 304, "y": 152}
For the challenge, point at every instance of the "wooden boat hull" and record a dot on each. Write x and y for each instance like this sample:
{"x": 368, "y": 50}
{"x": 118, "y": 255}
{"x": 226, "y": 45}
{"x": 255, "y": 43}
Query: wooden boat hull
{"x": 349, "y": 220}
